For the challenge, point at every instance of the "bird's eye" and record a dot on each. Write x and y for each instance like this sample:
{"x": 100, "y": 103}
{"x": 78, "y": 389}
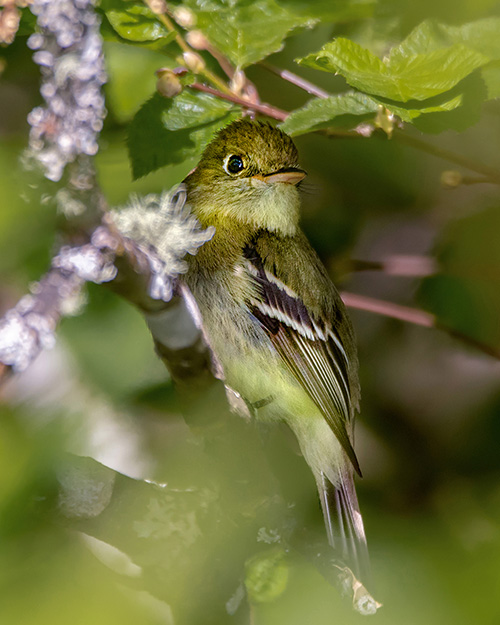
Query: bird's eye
{"x": 234, "y": 164}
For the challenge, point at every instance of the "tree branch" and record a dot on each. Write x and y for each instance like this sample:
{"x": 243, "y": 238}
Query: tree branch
{"x": 141, "y": 273}
{"x": 63, "y": 138}
{"x": 169, "y": 521}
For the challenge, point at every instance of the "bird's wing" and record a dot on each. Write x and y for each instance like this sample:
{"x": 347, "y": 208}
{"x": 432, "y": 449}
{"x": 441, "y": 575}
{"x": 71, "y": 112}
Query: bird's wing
{"x": 310, "y": 347}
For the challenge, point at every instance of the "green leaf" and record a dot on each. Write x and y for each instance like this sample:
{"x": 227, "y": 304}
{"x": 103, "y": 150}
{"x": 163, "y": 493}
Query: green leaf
{"x": 402, "y": 76}
{"x": 466, "y": 293}
{"x": 425, "y": 38}
{"x": 243, "y": 30}
{"x": 135, "y": 22}
{"x": 484, "y": 37}
{"x": 346, "y": 110}
{"x": 349, "y": 59}
{"x": 481, "y": 35}
{"x": 459, "y": 112}
{"x": 109, "y": 34}
{"x": 152, "y": 144}
{"x": 413, "y": 111}
{"x": 191, "y": 109}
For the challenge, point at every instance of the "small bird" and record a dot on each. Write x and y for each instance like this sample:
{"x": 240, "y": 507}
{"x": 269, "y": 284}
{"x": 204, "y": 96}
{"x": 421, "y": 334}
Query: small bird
{"x": 273, "y": 317}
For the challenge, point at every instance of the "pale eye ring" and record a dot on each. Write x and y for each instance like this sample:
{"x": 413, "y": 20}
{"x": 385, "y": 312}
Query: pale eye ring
{"x": 233, "y": 164}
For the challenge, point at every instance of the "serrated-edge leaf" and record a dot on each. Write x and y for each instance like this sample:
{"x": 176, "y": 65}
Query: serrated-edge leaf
{"x": 246, "y": 32}
{"x": 410, "y": 113}
{"x": 152, "y": 145}
{"x": 137, "y": 23}
{"x": 326, "y": 111}
{"x": 361, "y": 69}
{"x": 343, "y": 56}
{"x": 426, "y": 75}
{"x": 415, "y": 77}
{"x": 481, "y": 35}
{"x": 336, "y": 110}
{"x": 423, "y": 39}
{"x": 190, "y": 109}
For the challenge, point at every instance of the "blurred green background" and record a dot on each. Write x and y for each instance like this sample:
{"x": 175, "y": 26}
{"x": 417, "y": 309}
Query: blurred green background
{"x": 428, "y": 436}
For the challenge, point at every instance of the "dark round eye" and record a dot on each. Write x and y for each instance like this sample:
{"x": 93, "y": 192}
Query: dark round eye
{"x": 234, "y": 164}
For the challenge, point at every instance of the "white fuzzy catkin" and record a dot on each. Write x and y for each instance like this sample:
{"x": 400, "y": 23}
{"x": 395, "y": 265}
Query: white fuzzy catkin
{"x": 164, "y": 228}
{"x": 68, "y": 49}
{"x": 23, "y": 334}
{"x": 87, "y": 262}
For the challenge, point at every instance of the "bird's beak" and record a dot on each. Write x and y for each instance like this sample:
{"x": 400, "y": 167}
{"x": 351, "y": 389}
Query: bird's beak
{"x": 288, "y": 175}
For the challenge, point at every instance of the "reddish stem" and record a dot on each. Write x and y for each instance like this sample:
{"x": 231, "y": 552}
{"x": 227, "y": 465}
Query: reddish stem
{"x": 264, "y": 109}
{"x": 415, "y": 316}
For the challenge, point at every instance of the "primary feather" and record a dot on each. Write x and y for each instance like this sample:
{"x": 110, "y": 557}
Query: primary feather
{"x": 273, "y": 317}
{"x": 309, "y": 345}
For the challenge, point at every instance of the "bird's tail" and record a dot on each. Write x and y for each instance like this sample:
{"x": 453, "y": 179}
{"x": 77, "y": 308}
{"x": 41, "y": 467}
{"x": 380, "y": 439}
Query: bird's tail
{"x": 344, "y": 524}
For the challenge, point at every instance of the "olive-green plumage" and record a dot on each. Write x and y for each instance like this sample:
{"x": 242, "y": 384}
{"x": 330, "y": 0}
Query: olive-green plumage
{"x": 272, "y": 315}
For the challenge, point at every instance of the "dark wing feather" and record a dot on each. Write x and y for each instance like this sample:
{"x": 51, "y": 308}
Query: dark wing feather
{"x": 311, "y": 349}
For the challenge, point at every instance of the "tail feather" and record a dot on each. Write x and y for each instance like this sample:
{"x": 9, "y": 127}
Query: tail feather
{"x": 344, "y": 524}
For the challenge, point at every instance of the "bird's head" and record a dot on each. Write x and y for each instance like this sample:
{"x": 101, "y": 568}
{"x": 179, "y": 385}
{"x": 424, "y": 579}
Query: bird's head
{"x": 248, "y": 174}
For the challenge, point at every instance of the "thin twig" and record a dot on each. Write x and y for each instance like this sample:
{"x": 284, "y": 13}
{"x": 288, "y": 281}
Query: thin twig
{"x": 160, "y": 11}
{"x": 264, "y": 109}
{"x": 298, "y": 81}
{"x": 415, "y": 316}
{"x": 389, "y": 309}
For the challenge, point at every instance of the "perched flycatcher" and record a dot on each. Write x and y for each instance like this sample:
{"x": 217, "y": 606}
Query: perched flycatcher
{"x": 273, "y": 317}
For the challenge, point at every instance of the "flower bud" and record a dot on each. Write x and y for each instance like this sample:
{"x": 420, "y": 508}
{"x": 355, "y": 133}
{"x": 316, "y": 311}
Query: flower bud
{"x": 451, "y": 179}
{"x": 194, "y": 62}
{"x": 9, "y": 23}
{"x": 184, "y": 17}
{"x": 197, "y": 40}
{"x": 157, "y": 6}
{"x": 168, "y": 84}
